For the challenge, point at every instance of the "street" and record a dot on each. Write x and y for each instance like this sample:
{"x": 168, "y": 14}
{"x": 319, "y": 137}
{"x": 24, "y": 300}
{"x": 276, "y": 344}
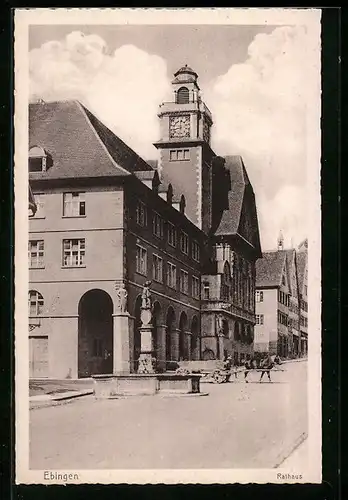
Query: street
{"x": 237, "y": 425}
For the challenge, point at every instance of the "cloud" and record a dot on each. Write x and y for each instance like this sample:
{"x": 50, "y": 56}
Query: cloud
{"x": 259, "y": 110}
{"x": 123, "y": 89}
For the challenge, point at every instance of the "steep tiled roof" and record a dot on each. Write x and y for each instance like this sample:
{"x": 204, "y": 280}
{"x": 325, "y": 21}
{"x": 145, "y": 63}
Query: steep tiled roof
{"x": 269, "y": 269}
{"x": 301, "y": 258}
{"x": 240, "y": 188}
{"x": 78, "y": 144}
{"x": 230, "y": 217}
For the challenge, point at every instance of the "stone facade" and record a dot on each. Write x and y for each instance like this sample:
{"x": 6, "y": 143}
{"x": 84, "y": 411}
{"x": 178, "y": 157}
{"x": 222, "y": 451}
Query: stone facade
{"x": 107, "y": 222}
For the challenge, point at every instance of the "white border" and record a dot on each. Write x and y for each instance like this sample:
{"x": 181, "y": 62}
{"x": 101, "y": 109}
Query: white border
{"x": 23, "y": 19}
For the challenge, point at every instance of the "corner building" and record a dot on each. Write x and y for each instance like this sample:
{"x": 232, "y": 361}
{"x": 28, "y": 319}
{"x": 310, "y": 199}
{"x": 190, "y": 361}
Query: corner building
{"x": 106, "y": 220}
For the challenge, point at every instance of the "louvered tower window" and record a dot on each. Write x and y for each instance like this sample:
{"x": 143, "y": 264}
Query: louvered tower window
{"x": 183, "y": 96}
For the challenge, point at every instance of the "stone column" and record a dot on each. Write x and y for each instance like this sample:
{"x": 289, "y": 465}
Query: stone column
{"x": 175, "y": 344}
{"x": 161, "y": 347}
{"x": 220, "y": 340}
{"x": 187, "y": 341}
{"x": 121, "y": 337}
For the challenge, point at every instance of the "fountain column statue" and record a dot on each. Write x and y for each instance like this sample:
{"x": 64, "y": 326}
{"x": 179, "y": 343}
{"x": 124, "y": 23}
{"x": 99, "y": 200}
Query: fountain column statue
{"x": 146, "y": 358}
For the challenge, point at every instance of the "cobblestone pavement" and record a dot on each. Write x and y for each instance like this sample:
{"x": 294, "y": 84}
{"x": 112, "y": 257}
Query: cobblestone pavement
{"x": 237, "y": 426}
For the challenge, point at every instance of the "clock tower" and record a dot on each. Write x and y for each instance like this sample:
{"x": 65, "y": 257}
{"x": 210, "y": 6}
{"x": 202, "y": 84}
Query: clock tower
{"x": 185, "y": 153}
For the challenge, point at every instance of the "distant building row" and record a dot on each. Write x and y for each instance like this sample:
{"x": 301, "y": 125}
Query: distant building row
{"x": 282, "y": 302}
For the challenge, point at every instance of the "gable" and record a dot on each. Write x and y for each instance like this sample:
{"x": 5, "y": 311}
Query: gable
{"x": 248, "y": 224}
{"x": 286, "y": 277}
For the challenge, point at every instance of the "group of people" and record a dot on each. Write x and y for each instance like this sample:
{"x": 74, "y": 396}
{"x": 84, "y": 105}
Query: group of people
{"x": 264, "y": 363}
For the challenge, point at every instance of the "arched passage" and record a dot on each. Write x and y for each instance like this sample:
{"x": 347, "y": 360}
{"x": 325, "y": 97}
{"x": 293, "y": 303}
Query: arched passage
{"x": 137, "y": 334}
{"x": 95, "y": 333}
{"x": 183, "y": 354}
{"x": 169, "y": 333}
{"x": 195, "y": 348}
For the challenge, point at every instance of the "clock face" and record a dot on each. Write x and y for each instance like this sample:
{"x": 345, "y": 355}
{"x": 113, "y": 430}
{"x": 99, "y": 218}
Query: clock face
{"x": 206, "y": 131}
{"x": 179, "y": 126}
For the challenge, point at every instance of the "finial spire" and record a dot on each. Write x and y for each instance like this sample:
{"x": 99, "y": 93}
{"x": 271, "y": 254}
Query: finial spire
{"x": 281, "y": 241}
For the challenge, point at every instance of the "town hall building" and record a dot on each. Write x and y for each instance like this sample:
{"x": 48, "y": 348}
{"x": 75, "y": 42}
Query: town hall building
{"x": 106, "y": 222}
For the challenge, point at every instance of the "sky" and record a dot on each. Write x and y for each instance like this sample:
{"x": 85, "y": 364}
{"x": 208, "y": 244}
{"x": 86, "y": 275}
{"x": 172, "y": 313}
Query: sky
{"x": 254, "y": 79}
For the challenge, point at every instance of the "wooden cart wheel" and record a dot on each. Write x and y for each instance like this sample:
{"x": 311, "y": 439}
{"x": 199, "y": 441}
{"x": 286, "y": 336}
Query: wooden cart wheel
{"x": 218, "y": 377}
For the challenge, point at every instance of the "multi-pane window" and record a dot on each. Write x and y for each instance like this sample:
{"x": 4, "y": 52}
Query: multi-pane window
{"x": 36, "y": 303}
{"x": 36, "y": 253}
{"x": 259, "y": 296}
{"x": 157, "y": 225}
{"x": 195, "y": 251}
{"x": 259, "y": 319}
{"x": 40, "y": 206}
{"x": 74, "y": 252}
{"x": 195, "y": 287}
{"x": 157, "y": 268}
{"x": 184, "y": 281}
{"x": 283, "y": 319}
{"x": 171, "y": 236}
{"x": 171, "y": 275}
{"x": 141, "y": 260}
{"x": 141, "y": 214}
{"x": 184, "y": 243}
{"x": 179, "y": 154}
{"x": 74, "y": 204}
{"x": 206, "y": 292}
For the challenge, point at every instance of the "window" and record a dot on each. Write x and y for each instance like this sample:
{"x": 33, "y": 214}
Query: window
{"x": 36, "y": 303}
{"x": 36, "y": 253}
{"x": 259, "y": 296}
{"x": 283, "y": 319}
{"x": 306, "y": 290}
{"x": 37, "y": 159}
{"x": 259, "y": 319}
{"x": 184, "y": 281}
{"x": 141, "y": 260}
{"x": 74, "y": 204}
{"x": 195, "y": 251}
{"x": 171, "y": 235}
{"x": 157, "y": 225}
{"x": 184, "y": 243}
{"x": 195, "y": 287}
{"x": 40, "y": 206}
{"x": 179, "y": 154}
{"x": 140, "y": 214}
{"x": 171, "y": 275}
{"x": 157, "y": 268}
{"x": 206, "y": 292}
{"x": 183, "y": 95}
{"x": 74, "y": 253}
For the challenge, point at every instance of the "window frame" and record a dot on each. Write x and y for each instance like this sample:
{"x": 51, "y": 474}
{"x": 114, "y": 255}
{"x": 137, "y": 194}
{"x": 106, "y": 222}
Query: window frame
{"x": 171, "y": 230}
{"x": 81, "y": 201}
{"x": 259, "y": 296}
{"x": 195, "y": 285}
{"x": 171, "y": 271}
{"x": 184, "y": 237}
{"x": 39, "y": 303}
{"x": 184, "y": 281}
{"x": 259, "y": 319}
{"x": 196, "y": 251}
{"x": 142, "y": 259}
{"x": 157, "y": 219}
{"x": 81, "y": 252}
{"x": 141, "y": 214}
{"x": 159, "y": 259}
{"x": 38, "y": 252}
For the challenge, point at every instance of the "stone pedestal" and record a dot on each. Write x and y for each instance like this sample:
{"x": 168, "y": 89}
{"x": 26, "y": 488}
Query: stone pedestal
{"x": 121, "y": 336}
{"x": 146, "y": 353}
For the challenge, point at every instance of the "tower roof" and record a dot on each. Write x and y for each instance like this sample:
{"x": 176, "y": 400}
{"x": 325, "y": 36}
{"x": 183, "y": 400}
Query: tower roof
{"x": 186, "y": 69}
